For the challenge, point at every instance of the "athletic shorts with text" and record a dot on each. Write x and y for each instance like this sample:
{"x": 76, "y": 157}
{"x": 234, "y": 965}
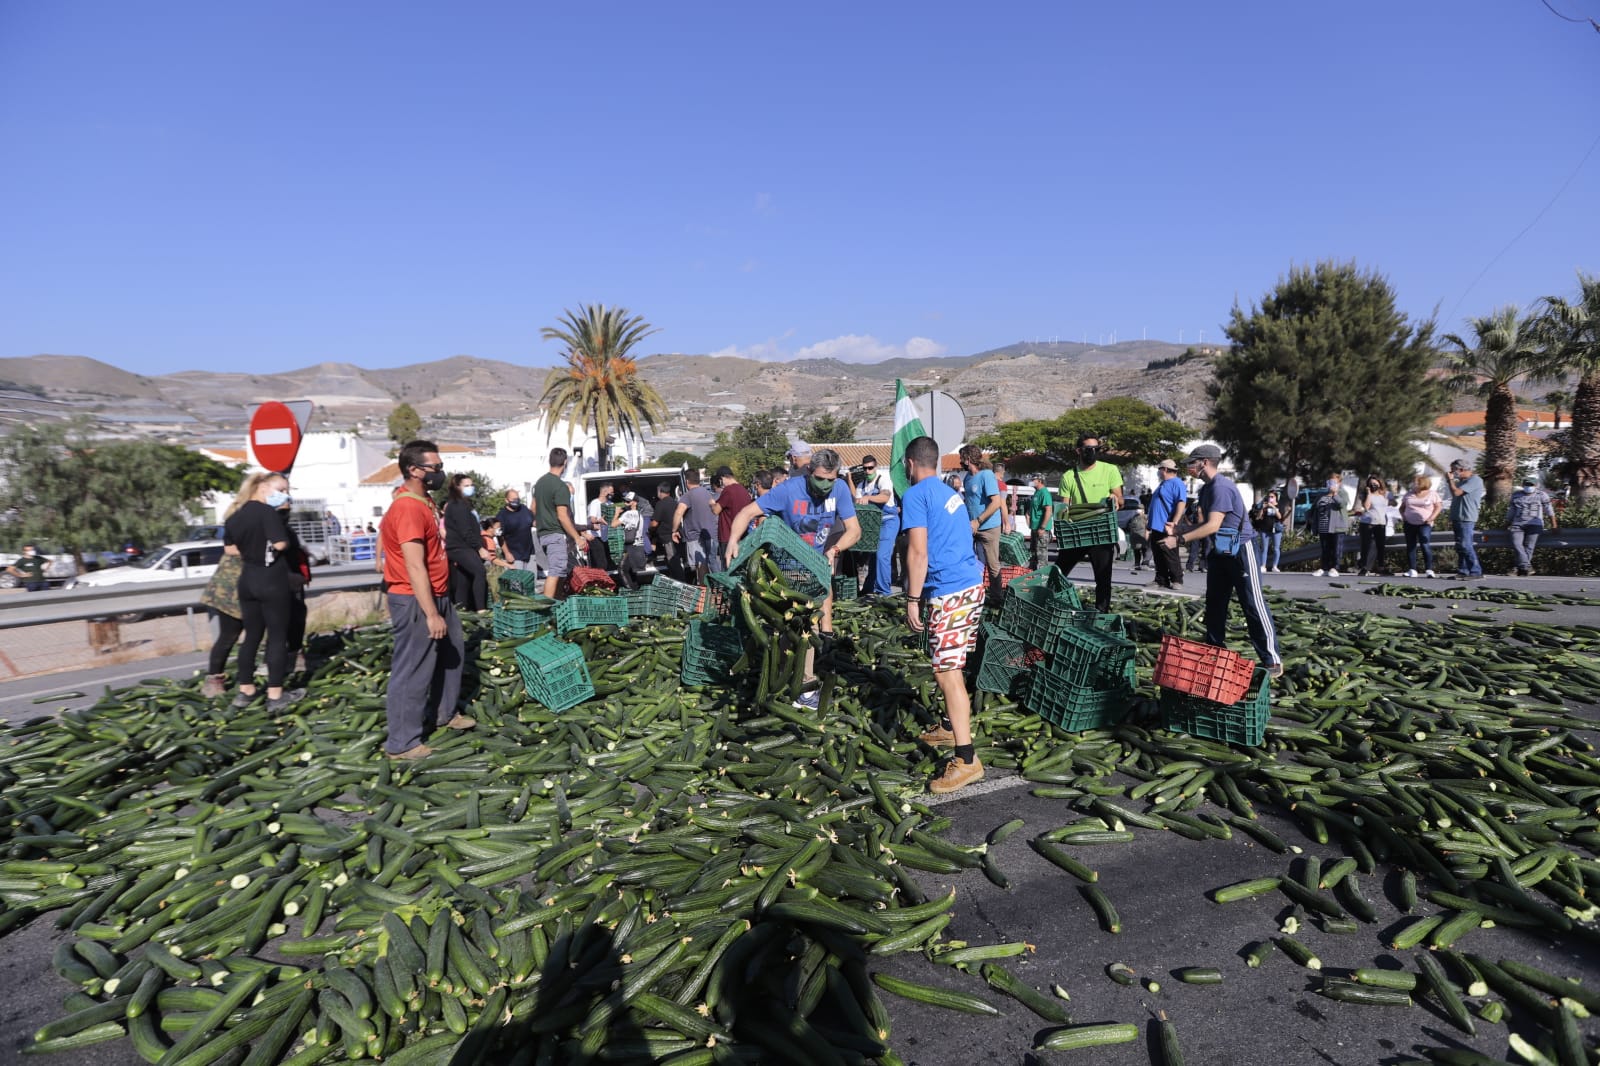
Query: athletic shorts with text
{"x": 953, "y": 627}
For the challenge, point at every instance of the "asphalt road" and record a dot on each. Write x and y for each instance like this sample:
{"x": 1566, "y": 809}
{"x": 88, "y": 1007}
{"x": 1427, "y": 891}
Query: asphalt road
{"x": 1266, "y": 1016}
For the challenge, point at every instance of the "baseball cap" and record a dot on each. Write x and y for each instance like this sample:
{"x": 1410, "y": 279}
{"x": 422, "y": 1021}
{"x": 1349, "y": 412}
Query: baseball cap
{"x": 1166, "y": 464}
{"x": 1036, "y": 476}
{"x": 798, "y": 447}
{"x": 1457, "y": 464}
{"x": 1530, "y": 481}
{"x": 626, "y": 496}
{"x": 1205, "y": 451}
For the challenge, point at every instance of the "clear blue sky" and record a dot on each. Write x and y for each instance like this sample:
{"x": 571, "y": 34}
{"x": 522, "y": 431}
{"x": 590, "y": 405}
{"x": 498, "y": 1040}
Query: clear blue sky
{"x": 264, "y": 185}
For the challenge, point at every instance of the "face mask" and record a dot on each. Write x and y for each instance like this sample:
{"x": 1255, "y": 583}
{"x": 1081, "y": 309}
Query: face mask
{"x": 470, "y": 491}
{"x": 513, "y": 504}
{"x": 820, "y": 486}
{"x": 277, "y": 498}
{"x": 1088, "y": 454}
{"x": 433, "y": 480}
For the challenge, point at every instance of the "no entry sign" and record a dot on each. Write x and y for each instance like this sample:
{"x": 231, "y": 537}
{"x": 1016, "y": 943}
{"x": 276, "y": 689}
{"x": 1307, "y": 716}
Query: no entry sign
{"x": 274, "y": 436}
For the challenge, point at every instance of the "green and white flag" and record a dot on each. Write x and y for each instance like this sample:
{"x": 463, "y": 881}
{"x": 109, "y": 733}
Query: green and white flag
{"x": 907, "y": 428}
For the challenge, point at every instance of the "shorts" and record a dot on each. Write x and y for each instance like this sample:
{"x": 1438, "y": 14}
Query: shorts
{"x": 557, "y": 554}
{"x": 700, "y": 548}
{"x": 953, "y": 627}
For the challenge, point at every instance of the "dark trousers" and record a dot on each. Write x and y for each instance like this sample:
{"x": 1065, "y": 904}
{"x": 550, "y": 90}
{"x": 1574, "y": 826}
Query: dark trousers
{"x": 228, "y": 630}
{"x": 600, "y": 554}
{"x": 1230, "y": 576}
{"x": 1372, "y": 546}
{"x": 264, "y": 605}
{"x": 1100, "y": 557}
{"x": 1169, "y": 571}
{"x": 297, "y": 621}
{"x": 1330, "y": 550}
{"x": 469, "y": 585}
{"x": 424, "y": 674}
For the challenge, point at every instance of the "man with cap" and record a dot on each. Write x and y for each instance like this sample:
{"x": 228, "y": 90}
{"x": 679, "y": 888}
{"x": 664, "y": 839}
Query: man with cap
{"x": 1231, "y": 570}
{"x": 1041, "y": 512}
{"x": 635, "y": 539}
{"x": 1091, "y": 482}
{"x": 799, "y": 458}
{"x": 1167, "y": 505}
{"x": 1525, "y": 516}
{"x": 732, "y": 497}
{"x": 1466, "y": 488}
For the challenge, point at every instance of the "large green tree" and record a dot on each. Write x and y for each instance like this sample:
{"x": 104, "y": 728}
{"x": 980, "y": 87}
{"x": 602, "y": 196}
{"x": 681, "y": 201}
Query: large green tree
{"x": 599, "y": 387}
{"x": 678, "y": 457}
{"x": 1130, "y": 431}
{"x": 1502, "y": 349}
{"x": 405, "y": 425}
{"x": 756, "y": 443}
{"x": 1573, "y": 336}
{"x": 1325, "y": 374}
{"x": 487, "y": 497}
{"x": 831, "y": 429}
{"x": 60, "y": 486}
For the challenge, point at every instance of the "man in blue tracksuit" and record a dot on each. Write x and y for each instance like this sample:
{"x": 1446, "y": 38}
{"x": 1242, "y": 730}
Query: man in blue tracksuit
{"x": 1231, "y": 569}
{"x": 878, "y": 488}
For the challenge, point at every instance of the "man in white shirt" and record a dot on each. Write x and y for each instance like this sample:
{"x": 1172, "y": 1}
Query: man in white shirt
{"x": 599, "y": 549}
{"x": 877, "y": 489}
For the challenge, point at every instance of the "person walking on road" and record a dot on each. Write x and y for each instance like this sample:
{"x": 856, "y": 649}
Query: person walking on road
{"x": 463, "y": 546}
{"x": 1525, "y": 517}
{"x": 425, "y": 670}
{"x": 1418, "y": 510}
{"x": 1091, "y": 481}
{"x": 516, "y": 532}
{"x": 1231, "y": 571}
{"x": 558, "y": 537}
{"x": 1167, "y": 505}
{"x": 1041, "y": 517}
{"x": 1466, "y": 491}
{"x": 1327, "y": 518}
{"x": 257, "y": 530}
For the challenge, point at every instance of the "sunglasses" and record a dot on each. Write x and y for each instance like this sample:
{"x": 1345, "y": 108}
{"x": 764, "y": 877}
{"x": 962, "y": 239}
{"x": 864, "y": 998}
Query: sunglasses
{"x": 869, "y": 469}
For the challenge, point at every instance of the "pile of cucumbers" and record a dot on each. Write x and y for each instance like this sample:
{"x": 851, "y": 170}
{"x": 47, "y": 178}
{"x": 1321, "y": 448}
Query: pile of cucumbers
{"x": 710, "y": 875}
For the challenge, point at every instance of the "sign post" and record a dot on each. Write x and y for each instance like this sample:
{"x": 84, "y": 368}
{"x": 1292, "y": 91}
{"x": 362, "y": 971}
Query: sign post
{"x": 274, "y": 436}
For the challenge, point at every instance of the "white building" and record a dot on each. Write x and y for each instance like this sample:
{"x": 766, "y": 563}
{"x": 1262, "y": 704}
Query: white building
{"x": 522, "y": 452}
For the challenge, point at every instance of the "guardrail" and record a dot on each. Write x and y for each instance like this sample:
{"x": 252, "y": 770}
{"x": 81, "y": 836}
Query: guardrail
{"x": 169, "y": 597}
{"x": 1481, "y": 538}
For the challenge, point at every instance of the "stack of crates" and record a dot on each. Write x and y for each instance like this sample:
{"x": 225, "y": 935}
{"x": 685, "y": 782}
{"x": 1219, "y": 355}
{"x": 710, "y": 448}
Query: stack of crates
{"x": 580, "y": 612}
{"x": 554, "y": 673}
{"x": 1098, "y": 530}
{"x": 355, "y": 548}
{"x": 1004, "y": 662}
{"x": 1212, "y": 692}
{"x": 710, "y": 652}
{"x": 1014, "y": 550}
{"x": 512, "y": 623}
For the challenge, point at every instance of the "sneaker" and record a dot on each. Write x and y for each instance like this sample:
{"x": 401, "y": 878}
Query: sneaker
{"x": 421, "y": 751}
{"x": 214, "y": 685}
{"x": 1333, "y": 573}
{"x": 1275, "y": 670}
{"x": 1275, "y": 570}
{"x": 956, "y": 774}
{"x": 1429, "y": 573}
{"x": 1319, "y": 573}
{"x": 460, "y": 721}
{"x": 1529, "y": 572}
{"x": 1411, "y": 573}
{"x": 1513, "y": 573}
{"x": 1362, "y": 572}
{"x": 807, "y": 701}
{"x": 290, "y": 696}
{"x": 245, "y": 699}
{"x": 938, "y": 737}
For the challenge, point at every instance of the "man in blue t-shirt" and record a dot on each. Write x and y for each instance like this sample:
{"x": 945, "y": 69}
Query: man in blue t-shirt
{"x": 985, "y": 507}
{"x": 820, "y": 508}
{"x": 1166, "y": 511}
{"x": 1229, "y": 573}
{"x": 943, "y": 577}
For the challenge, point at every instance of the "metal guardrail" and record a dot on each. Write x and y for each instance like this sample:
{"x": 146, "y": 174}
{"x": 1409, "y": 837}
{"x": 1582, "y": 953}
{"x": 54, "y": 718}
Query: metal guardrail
{"x": 168, "y": 597}
{"x": 1481, "y": 538}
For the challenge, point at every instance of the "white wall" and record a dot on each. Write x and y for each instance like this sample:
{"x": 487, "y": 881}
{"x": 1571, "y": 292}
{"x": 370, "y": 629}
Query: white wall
{"x": 330, "y": 466}
{"x": 522, "y": 451}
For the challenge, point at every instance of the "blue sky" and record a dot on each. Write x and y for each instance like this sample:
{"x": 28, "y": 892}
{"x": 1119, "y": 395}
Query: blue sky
{"x": 261, "y": 186}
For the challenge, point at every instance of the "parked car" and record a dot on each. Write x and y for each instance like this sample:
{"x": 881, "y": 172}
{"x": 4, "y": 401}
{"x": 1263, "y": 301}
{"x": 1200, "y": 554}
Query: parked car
{"x": 170, "y": 562}
{"x": 1303, "y": 502}
{"x": 60, "y": 568}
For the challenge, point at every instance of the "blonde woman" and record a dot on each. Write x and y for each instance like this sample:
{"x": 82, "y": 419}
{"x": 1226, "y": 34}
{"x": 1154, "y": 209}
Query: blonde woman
{"x": 221, "y": 599}
{"x": 265, "y": 607}
{"x": 1418, "y": 510}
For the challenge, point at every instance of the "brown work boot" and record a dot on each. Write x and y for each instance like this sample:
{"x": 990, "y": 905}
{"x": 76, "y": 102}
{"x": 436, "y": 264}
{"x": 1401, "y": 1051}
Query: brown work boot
{"x": 421, "y": 751}
{"x": 461, "y": 721}
{"x": 956, "y": 774}
{"x": 214, "y": 685}
{"x": 938, "y": 737}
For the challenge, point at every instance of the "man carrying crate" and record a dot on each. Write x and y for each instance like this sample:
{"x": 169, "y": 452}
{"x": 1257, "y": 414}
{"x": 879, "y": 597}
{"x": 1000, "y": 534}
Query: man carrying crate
{"x": 1090, "y": 483}
{"x": 1231, "y": 568}
{"x": 943, "y": 577}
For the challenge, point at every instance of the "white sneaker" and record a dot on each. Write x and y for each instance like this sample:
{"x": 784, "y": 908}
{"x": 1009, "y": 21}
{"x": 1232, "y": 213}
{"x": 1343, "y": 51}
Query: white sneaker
{"x": 1319, "y": 573}
{"x": 1275, "y": 570}
{"x": 1333, "y": 573}
{"x": 1411, "y": 573}
{"x": 1429, "y": 573}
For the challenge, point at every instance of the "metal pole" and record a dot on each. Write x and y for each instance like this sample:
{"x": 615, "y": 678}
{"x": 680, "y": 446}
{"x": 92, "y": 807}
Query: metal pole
{"x": 194, "y": 638}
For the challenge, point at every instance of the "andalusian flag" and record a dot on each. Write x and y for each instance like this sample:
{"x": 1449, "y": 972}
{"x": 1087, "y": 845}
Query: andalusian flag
{"x": 907, "y": 428}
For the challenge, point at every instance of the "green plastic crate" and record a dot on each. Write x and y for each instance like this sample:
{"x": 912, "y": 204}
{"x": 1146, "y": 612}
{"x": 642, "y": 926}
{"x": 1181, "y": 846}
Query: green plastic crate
{"x": 525, "y": 582}
{"x": 617, "y": 543}
{"x": 1088, "y": 532}
{"x": 719, "y": 593}
{"x": 578, "y": 612}
{"x": 648, "y": 601}
{"x": 1244, "y": 722}
{"x": 1079, "y": 707}
{"x": 1014, "y": 550}
{"x": 870, "y": 517}
{"x": 512, "y": 622}
{"x": 554, "y": 673}
{"x": 805, "y": 568}
{"x": 710, "y": 651}
{"x": 845, "y": 587}
{"x": 1004, "y": 662}
{"x": 1098, "y": 622}
{"x": 685, "y": 597}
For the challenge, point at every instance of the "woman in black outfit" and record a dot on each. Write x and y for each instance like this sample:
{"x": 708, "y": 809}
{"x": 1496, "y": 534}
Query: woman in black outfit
{"x": 463, "y": 546}
{"x": 258, "y": 531}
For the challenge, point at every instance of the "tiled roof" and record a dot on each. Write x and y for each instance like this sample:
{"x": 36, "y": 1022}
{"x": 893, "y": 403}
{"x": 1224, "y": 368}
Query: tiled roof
{"x": 384, "y": 475}
{"x": 1473, "y": 419}
{"x": 852, "y": 454}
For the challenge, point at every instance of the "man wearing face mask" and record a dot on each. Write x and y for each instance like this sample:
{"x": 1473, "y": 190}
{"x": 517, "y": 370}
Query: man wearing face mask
{"x": 1231, "y": 569}
{"x": 29, "y": 569}
{"x": 516, "y": 532}
{"x": 820, "y": 509}
{"x": 1092, "y": 482}
{"x": 425, "y": 672}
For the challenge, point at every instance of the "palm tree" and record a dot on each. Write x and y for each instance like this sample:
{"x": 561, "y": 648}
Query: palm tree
{"x": 1505, "y": 348}
{"x": 1574, "y": 335}
{"x": 600, "y": 385}
{"x": 1558, "y": 399}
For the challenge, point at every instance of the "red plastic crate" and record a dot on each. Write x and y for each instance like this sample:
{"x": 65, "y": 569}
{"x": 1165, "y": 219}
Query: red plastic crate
{"x": 1202, "y": 670}
{"x": 1009, "y": 574}
{"x": 591, "y": 578}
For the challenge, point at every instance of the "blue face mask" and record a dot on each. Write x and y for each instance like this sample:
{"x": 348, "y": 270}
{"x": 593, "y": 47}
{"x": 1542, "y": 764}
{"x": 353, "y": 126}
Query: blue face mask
{"x": 277, "y": 498}
{"x": 469, "y": 491}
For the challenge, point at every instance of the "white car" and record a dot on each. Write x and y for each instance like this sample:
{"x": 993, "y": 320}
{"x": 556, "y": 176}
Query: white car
{"x": 170, "y": 562}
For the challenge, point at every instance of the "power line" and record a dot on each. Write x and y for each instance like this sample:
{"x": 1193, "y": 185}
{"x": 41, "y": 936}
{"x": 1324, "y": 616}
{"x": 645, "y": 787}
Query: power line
{"x": 1569, "y": 18}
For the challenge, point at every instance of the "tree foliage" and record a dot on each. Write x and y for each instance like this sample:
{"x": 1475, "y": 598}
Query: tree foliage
{"x": 831, "y": 429}
{"x": 1130, "y": 431}
{"x": 600, "y": 386}
{"x": 756, "y": 443}
{"x": 59, "y": 486}
{"x": 677, "y": 457}
{"x": 405, "y": 425}
{"x": 1325, "y": 374}
{"x": 1502, "y": 350}
{"x": 1572, "y": 333}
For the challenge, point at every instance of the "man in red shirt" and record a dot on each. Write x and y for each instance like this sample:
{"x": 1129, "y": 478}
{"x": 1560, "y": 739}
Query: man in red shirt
{"x": 425, "y": 672}
{"x": 732, "y": 498}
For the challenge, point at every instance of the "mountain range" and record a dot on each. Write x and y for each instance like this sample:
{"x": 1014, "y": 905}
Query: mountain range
{"x": 462, "y": 398}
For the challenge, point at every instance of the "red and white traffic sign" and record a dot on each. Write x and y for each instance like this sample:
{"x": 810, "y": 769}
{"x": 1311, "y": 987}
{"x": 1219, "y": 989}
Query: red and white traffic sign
{"x": 274, "y": 436}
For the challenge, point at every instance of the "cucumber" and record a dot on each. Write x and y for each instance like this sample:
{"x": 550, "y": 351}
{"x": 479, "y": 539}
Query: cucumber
{"x": 1004, "y": 981}
{"x": 938, "y": 997}
{"x": 1110, "y": 921}
{"x": 1199, "y": 975}
{"x": 1082, "y": 1036}
{"x": 1366, "y": 995}
{"x": 1258, "y": 886}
